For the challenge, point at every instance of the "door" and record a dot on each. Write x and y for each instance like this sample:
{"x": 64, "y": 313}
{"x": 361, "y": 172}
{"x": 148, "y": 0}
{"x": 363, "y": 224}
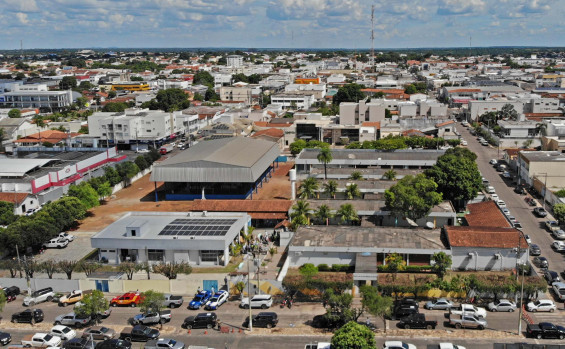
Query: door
{"x": 102, "y": 285}
{"x": 208, "y": 284}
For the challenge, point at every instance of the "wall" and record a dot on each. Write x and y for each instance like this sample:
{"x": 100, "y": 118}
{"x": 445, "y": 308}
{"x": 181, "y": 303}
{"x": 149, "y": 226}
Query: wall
{"x": 486, "y": 259}
{"x": 58, "y": 285}
{"x": 317, "y": 258}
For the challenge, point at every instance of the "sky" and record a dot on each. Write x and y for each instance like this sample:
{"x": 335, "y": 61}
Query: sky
{"x": 280, "y": 23}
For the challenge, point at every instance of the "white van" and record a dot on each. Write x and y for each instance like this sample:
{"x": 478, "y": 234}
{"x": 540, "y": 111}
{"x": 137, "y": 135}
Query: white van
{"x": 262, "y": 301}
{"x": 490, "y": 189}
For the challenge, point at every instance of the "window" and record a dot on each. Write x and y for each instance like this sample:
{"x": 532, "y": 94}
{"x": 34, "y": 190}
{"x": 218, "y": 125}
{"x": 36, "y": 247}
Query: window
{"x": 133, "y": 232}
{"x": 155, "y": 255}
{"x": 210, "y": 255}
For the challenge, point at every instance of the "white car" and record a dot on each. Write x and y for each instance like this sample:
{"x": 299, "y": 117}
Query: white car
{"x": 528, "y": 239}
{"x": 493, "y": 162}
{"x": 142, "y": 151}
{"x": 41, "y": 340}
{"x": 505, "y": 211}
{"x": 558, "y": 246}
{"x": 217, "y": 300}
{"x": 398, "y": 345}
{"x": 450, "y": 346}
{"x": 494, "y": 197}
{"x": 559, "y": 234}
{"x": 56, "y": 243}
{"x": 463, "y": 142}
{"x": 541, "y": 305}
{"x": 63, "y": 332}
{"x": 501, "y": 203}
{"x": 67, "y": 236}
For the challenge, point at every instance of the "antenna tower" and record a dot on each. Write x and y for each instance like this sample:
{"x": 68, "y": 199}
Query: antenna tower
{"x": 22, "y": 48}
{"x": 372, "y": 38}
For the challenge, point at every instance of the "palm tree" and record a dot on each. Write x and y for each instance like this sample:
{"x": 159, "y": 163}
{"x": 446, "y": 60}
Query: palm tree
{"x": 347, "y": 213}
{"x": 390, "y": 175}
{"x": 330, "y": 188}
{"x": 308, "y": 188}
{"x": 356, "y": 176}
{"x": 352, "y": 191}
{"x": 324, "y": 213}
{"x": 40, "y": 123}
{"x": 325, "y": 157}
{"x": 301, "y": 213}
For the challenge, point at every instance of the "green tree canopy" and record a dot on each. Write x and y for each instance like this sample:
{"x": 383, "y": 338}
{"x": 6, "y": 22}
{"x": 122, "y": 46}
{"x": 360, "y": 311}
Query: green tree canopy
{"x": 324, "y": 213}
{"x": 300, "y": 213}
{"x": 115, "y": 107}
{"x": 412, "y": 197}
{"x": 325, "y": 157}
{"x": 127, "y": 170}
{"x": 330, "y": 188}
{"x": 348, "y": 93}
{"x": 457, "y": 176}
{"x": 85, "y": 193}
{"x": 375, "y": 304}
{"x": 14, "y": 113}
{"x": 347, "y": 213}
{"x": 203, "y": 78}
{"x": 171, "y": 270}
{"x": 112, "y": 175}
{"x": 353, "y": 335}
{"x": 240, "y": 77}
{"x": 152, "y": 302}
{"x": 92, "y": 304}
{"x": 308, "y": 270}
{"x": 169, "y": 100}
{"x": 559, "y": 212}
{"x": 442, "y": 262}
{"x": 308, "y": 188}
{"x": 7, "y": 215}
{"x": 68, "y": 82}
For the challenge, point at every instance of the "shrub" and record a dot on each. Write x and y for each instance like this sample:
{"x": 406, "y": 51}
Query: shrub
{"x": 323, "y": 267}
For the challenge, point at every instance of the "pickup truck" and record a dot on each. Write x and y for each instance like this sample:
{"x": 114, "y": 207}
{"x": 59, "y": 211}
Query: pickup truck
{"x": 71, "y": 319}
{"x": 467, "y": 321}
{"x": 139, "y": 333}
{"x": 545, "y": 330}
{"x": 152, "y": 318}
{"x": 73, "y": 297}
{"x": 417, "y": 321}
{"x": 164, "y": 343}
{"x": 41, "y": 340}
{"x": 172, "y": 301}
{"x": 468, "y": 309}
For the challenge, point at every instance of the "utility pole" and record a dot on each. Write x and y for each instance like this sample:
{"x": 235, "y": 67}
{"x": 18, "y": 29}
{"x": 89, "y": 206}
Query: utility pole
{"x": 544, "y": 190}
{"x": 249, "y": 294}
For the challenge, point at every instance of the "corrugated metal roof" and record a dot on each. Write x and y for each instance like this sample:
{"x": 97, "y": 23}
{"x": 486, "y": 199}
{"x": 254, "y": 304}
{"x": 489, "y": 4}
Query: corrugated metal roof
{"x": 236, "y": 159}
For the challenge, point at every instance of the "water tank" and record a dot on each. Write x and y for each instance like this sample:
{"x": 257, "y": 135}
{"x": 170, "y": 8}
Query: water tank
{"x": 292, "y": 175}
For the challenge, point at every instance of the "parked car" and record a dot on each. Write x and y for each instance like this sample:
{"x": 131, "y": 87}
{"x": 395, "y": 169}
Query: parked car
{"x": 506, "y": 175}
{"x": 540, "y": 212}
{"x": 164, "y": 343}
{"x": 114, "y": 344}
{"x": 491, "y": 190}
{"x": 541, "y": 262}
{"x": 131, "y": 299}
{"x": 467, "y": 321}
{"x": 541, "y": 305}
{"x": 502, "y": 305}
{"x": 199, "y": 299}
{"x": 551, "y": 226}
{"x": 398, "y": 345}
{"x": 99, "y": 333}
{"x": 559, "y": 290}
{"x": 5, "y": 338}
{"x": 30, "y": 316}
{"x": 202, "y": 320}
{"x": 11, "y": 293}
{"x": 500, "y": 203}
{"x": 266, "y": 319}
{"x": 102, "y": 314}
{"x": 505, "y": 211}
{"x": 63, "y": 332}
{"x": 262, "y": 301}
{"x": 152, "y": 318}
{"x": 545, "y": 330}
{"x": 517, "y": 225}
{"x": 73, "y": 297}
{"x": 172, "y": 301}
{"x": 559, "y": 234}
{"x": 56, "y": 243}
{"x": 72, "y": 319}
{"x": 439, "y": 304}
{"x": 494, "y": 197}
{"x": 551, "y": 276}
{"x": 535, "y": 250}
{"x": 417, "y": 321}
{"x": 79, "y": 343}
{"x": 402, "y": 310}
{"x": 42, "y": 295}
{"x": 468, "y": 309}
{"x": 520, "y": 190}
{"x": 530, "y": 201}
{"x": 558, "y": 246}
{"x": 528, "y": 239}
{"x": 67, "y": 236}
{"x": 493, "y": 162}
{"x": 217, "y": 300}
{"x": 41, "y": 340}
{"x": 139, "y": 333}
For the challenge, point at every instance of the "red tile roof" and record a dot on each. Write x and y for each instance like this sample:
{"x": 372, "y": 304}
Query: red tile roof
{"x": 486, "y": 214}
{"x": 51, "y": 136}
{"x": 15, "y": 198}
{"x": 270, "y": 132}
{"x": 487, "y": 237}
{"x": 449, "y": 122}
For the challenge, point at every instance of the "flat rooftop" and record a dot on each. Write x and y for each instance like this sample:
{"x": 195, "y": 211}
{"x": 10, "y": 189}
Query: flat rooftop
{"x": 378, "y": 238}
{"x": 355, "y": 155}
{"x": 543, "y": 156}
{"x": 369, "y": 205}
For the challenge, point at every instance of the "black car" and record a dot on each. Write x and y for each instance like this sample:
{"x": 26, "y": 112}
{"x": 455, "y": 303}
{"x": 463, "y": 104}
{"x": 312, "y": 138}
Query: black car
{"x": 520, "y": 190}
{"x": 5, "y": 338}
{"x": 417, "y": 321}
{"x": 266, "y": 319}
{"x": 541, "y": 262}
{"x": 78, "y": 343}
{"x": 11, "y": 293}
{"x": 114, "y": 344}
{"x": 404, "y": 308}
{"x": 551, "y": 276}
{"x": 328, "y": 322}
{"x": 30, "y": 316}
{"x": 540, "y": 212}
{"x": 535, "y": 250}
{"x": 202, "y": 320}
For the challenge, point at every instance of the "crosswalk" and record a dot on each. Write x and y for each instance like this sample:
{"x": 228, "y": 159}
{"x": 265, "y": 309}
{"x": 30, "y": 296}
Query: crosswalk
{"x": 557, "y": 317}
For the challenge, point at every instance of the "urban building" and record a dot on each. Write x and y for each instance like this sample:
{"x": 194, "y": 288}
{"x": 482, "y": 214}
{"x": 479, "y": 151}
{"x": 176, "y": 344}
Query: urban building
{"x": 36, "y": 96}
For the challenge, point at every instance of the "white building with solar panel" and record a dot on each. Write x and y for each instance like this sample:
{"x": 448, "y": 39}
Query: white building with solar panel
{"x": 199, "y": 238}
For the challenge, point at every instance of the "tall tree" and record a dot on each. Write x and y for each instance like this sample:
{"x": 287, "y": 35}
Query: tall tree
{"x": 14, "y": 113}
{"x": 68, "y": 82}
{"x": 347, "y": 214}
{"x": 68, "y": 267}
{"x": 394, "y": 263}
{"x": 352, "y": 191}
{"x": 169, "y": 100}
{"x": 308, "y": 188}
{"x": 127, "y": 170}
{"x": 152, "y": 302}
{"x": 353, "y": 335}
{"x": 442, "y": 262}
{"x": 324, "y": 213}
{"x": 85, "y": 193}
{"x": 92, "y": 304}
{"x": 330, "y": 188}
{"x": 458, "y": 178}
{"x": 129, "y": 268}
{"x": 325, "y": 157}
{"x": 7, "y": 215}
{"x": 49, "y": 267}
{"x": 390, "y": 175}
{"x": 412, "y": 196}
{"x": 559, "y": 212}
{"x": 508, "y": 112}
{"x": 171, "y": 270}
{"x": 348, "y": 93}
{"x": 301, "y": 213}
{"x": 203, "y": 78}
{"x": 375, "y": 304}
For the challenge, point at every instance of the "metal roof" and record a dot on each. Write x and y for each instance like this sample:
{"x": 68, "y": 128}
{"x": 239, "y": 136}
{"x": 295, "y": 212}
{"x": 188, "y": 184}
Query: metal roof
{"x": 19, "y": 167}
{"x": 401, "y": 157}
{"x": 236, "y": 159}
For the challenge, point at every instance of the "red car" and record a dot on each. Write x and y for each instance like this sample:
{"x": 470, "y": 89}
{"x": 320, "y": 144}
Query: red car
{"x": 131, "y": 299}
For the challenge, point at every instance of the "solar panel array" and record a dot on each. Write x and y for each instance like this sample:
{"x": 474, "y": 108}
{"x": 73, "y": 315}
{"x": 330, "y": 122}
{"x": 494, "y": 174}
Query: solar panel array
{"x": 198, "y": 227}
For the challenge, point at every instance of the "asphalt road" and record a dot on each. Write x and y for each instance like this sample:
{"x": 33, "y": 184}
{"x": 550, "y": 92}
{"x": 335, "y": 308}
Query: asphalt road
{"x": 532, "y": 225}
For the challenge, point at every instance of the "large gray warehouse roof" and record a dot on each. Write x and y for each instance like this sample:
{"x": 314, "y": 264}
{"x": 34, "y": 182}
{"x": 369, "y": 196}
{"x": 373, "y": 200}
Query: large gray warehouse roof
{"x": 236, "y": 159}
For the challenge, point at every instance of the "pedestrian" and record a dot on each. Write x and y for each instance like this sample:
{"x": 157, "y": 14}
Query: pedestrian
{"x": 213, "y": 290}
{"x": 198, "y": 290}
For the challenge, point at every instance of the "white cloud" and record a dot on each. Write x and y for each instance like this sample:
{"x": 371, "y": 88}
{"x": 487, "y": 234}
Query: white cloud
{"x": 22, "y": 17}
{"x": 460, "y": 7}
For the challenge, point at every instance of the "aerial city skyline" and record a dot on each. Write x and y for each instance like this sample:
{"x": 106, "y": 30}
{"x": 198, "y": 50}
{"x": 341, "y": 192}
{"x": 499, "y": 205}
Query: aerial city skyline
{"x": 281, "y": 24}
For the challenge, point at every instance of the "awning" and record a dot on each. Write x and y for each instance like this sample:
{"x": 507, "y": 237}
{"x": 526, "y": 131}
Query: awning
{"x": 268, "y": 215}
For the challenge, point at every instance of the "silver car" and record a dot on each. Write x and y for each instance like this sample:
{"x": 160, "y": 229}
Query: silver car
{"x": 439, "y": 304}
{"x": 502, "y": 305}
{"x": 559, "y": 234}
